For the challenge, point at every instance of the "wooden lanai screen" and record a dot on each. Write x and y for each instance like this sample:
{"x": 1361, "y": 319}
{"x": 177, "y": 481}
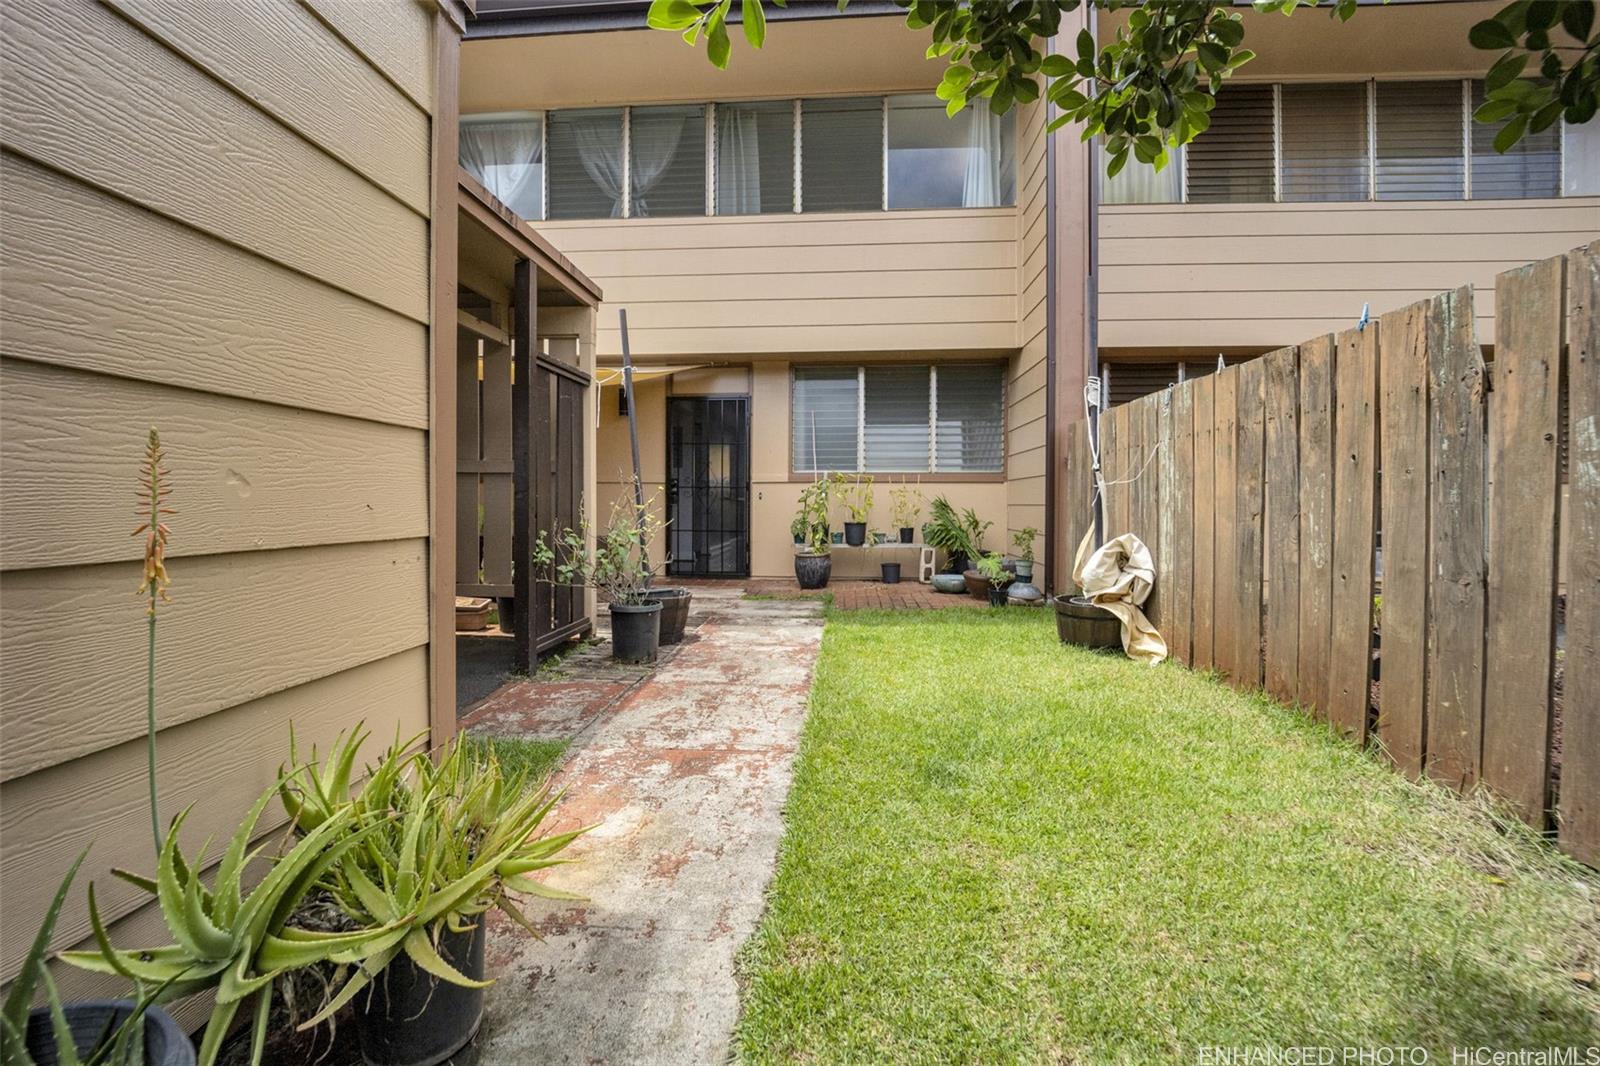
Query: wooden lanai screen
{"x": 1282, "y": 496}
{"x": 519, "y": 467}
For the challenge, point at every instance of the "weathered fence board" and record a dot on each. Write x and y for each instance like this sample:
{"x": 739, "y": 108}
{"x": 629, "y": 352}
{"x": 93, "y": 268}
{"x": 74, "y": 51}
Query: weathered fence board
{"x": 1407, "y": 335}
{"x": 1579, "y": 801}
{"x": 1355, "y": 487}
{"x": 1225, "y": 572}
{"x": 1150, "y": 494}
{"x": 1455, "y": 549}
{"x": 1249, "y": 507}
{"x": 1203, "y": 587}
{"x": 1177, "y": 538}
{"x": 1524, "y": 485}
{"x": 1282, "y": 544}
{"x": 1316, "y": 521}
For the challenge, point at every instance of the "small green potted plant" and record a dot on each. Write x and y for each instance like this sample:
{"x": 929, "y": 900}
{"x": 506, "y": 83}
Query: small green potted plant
{"x": 813, "y": 563}
{"x": 619, "y": 567}
{"x": 906, "y": 505}
{"x": 992, "y": 569}
{"x": 1022, "y": 540}
{"x": 857, "y": 500}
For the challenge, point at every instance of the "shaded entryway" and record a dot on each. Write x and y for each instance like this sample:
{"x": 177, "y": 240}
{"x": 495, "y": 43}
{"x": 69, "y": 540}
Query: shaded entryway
{"x": 685, "y": 771}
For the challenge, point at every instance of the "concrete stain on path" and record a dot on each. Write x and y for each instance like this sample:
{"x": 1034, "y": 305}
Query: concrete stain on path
{"x": 686, "y": 774}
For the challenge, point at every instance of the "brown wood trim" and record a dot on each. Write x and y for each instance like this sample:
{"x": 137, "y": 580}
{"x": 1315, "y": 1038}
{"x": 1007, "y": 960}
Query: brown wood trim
{"x": 576, "y": 628}
{"x": 525, "y": 411}
{"x": 442, "y": 270}
{"x": 924, "y": 479}
{"x": 482, "y": 205}
{"x": 564, "y": 370}
{"x": 487, "y": 330}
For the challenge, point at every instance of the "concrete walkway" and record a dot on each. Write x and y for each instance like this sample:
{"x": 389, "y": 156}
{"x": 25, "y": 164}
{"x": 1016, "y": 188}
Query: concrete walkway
{"x": 686, "y": 771}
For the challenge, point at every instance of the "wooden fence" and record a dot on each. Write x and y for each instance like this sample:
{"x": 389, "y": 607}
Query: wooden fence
{"x": 1266, "y": 490}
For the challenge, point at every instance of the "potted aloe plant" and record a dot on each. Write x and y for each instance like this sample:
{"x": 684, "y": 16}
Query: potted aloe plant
{"x": 813, "y": 564}
{"x": 857, "y": 500}
{"x": 440, "y": 844}
{"x": 620, "y": 568}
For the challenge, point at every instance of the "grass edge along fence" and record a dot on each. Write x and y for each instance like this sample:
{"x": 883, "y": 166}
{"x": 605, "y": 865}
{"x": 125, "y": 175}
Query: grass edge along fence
{"x": 1264, "y": 490}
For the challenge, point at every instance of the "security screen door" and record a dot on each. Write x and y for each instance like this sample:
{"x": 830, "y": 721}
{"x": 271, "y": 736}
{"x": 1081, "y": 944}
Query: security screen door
{"x": 708, "y": 486}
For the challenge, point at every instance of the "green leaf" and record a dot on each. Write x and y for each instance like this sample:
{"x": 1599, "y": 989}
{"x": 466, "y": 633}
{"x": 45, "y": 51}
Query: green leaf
{"x": 1545, "y": 117}
{"x": 1506, "y": 69}
{"x": 1490, "y": 35}
{"x": 672, "y": 15}
{"x": 755, "y": 22}
{"x": 1118, "y": 161}
{"x": 20, "y": 997}
{"x": 1542, "y": 14}
{"x": 1511, "y": 134}
{"x": 1085, "y": 46}
{"x": 1495, "y": 110}
{"x": 1229, "y": 31}
{"x": 1577, "y": 18}
{"x": 1054, "y": 66}
{"x": 422, "y": 952}
{"x": 718, "y": 46}
{"x": 1212, "y": 56}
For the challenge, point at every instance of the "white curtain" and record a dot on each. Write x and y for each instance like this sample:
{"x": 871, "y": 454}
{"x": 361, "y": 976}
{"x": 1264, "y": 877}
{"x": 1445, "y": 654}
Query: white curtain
{"x": 989, "y": 167}
{"x": 1141, "y": 183}
{"x": 654, "y": 140}
{"x": 600, "y": 151}
{"x": 506, "y": 155}
{"x": 738, "y": 161}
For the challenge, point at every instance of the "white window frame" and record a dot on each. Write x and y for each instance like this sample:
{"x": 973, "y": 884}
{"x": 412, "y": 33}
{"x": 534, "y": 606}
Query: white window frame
{"x": 1372, "y": 141}
{"x": 933, "y": 425}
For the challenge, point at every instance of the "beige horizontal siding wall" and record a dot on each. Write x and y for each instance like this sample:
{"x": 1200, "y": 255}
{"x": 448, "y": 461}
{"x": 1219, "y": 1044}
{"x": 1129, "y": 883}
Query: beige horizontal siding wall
{"x": 875, "y": 281}
{"x": 1025, "y": 393}
{"x": 216, "y": 222}
{"x": 1266, "y": 275}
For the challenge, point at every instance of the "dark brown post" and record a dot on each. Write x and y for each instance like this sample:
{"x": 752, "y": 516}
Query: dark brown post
{"x": 525, "y": 329}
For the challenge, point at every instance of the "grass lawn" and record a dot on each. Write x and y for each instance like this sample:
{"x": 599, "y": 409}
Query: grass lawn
{"x": 536, "y": 758}
{"x": 1003, "y": 850}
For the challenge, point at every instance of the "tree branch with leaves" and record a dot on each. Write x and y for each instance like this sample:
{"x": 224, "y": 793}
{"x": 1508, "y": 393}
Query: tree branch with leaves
{"x": 1151, "y": 88}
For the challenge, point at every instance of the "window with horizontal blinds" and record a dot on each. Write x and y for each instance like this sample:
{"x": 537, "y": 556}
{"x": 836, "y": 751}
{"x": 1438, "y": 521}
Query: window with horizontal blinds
{"x": 1419, "y": 131}
{"x": 895, "y": 419}
{"x": 969, "y": 427}
{"x": 585, "y": 165}
{"x": 667, "y": 160}
{"x": 1530, "y": 170}
{"x": 755, "y": 157}
{"x": 824, "y": 419}
{"x": 1324, "y": 142}
{"x": 841, "y": 154}
{"x": 1232, "y": 161}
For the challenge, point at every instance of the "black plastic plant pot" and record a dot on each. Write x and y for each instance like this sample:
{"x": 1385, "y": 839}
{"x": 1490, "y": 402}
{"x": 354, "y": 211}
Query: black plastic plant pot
{"x": 812, "y": 570}
{"x": 636, "y": 631}
{"x": 907, "y": 534}
{"x": 91, "y": 1021}
{"x": 855, "y": 534}
{"x": 957, "y": 563}
{"x": 674, "y": 612}
{"x": 891, "y": 573}
{"x": 997, "y": 596}
{"x": 411, "y": 1018}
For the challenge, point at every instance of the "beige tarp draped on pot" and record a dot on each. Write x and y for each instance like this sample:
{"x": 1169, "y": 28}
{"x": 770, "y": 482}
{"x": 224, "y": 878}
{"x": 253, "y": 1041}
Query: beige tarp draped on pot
{"x": 1119, "y": 577}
